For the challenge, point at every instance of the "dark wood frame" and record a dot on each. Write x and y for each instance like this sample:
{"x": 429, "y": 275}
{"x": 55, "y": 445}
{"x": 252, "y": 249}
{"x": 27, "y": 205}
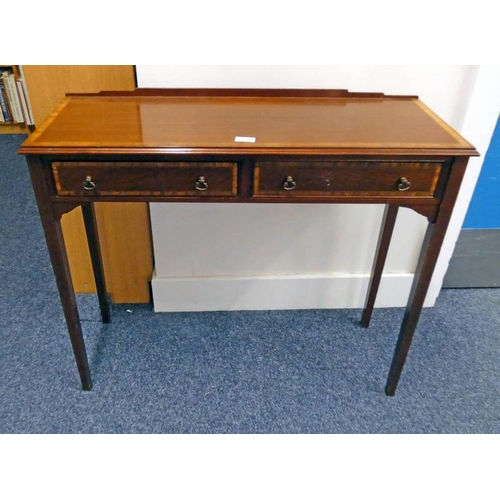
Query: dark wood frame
{"x": 437, "y": 210}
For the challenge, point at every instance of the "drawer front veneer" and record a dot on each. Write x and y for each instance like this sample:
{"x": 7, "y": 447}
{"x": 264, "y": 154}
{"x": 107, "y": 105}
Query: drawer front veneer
{"x": 346, "y": 178}
{"x": 145, "y": 178}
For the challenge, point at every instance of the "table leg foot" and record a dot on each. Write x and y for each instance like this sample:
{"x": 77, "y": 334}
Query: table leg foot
{"x": 87, "y": 385}
{"x": 389, "y": 390}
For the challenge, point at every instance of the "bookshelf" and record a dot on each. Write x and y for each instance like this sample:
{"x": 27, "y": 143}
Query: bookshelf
{"x": 15, "y": 112}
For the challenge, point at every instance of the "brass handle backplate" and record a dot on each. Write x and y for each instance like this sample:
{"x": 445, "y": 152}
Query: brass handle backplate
{"x": 201, "y": 184}
{"x": 88, "y": 184}
{"x": 403, "y": 184}
{"x": 289, "y": 184}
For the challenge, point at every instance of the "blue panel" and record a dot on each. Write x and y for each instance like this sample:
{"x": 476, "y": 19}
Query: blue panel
{"x": 484, "y": 209}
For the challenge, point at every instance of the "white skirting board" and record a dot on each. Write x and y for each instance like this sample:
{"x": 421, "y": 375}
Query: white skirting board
{"x": 319, "y": 291}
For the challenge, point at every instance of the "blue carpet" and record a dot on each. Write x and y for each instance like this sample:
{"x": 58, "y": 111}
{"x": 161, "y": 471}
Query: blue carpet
{"x": 314, "y": 371}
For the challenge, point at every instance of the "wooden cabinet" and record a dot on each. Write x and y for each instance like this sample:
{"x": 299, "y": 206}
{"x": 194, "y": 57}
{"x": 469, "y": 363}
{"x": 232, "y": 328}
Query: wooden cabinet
{"x": 124, "y": 229}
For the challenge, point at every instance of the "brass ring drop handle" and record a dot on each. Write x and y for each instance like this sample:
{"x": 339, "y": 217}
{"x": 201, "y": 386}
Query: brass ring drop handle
{"x": 289, "y": 184}
{"x": 403, "y": 184}
{"x": 88, "y": 184}
{"x": 201, "y": 184}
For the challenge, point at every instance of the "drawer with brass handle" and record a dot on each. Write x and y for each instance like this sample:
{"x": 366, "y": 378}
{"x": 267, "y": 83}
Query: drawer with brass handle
{"x": 145, "y": 178}
{"x": 346, "y": 178}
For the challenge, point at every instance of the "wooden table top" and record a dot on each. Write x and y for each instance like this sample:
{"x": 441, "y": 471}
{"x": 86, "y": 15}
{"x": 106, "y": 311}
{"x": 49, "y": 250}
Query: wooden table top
{"x": 278, "y": 125}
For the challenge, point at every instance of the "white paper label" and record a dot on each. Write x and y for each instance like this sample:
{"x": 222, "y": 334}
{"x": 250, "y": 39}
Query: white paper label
{"x": 240, "y": 138}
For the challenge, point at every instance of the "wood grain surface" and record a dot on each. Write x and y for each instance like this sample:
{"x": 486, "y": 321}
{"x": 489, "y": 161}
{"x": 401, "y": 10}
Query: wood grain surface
{"x": 142, "y": 123}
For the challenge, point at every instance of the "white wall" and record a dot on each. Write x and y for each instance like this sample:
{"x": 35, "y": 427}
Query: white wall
{"x": 292, "y": 256}
{"x": 478, "y": 126}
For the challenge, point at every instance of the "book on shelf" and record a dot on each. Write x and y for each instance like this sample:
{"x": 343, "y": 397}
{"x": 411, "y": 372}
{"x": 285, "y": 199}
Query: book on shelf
{"x": 23, "y": 97}
{"x": 4, "y": 107}
{"x": 13, "y": 102}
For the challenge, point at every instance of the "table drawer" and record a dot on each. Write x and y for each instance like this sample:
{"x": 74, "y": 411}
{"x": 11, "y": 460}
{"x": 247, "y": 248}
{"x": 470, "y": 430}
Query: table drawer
{"x": 345, "y": 178}
{"x": 145, "y": 178}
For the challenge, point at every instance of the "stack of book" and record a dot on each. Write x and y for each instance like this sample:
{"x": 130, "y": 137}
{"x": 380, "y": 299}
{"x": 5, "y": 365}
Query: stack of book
{"x": 13, "y": 101}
